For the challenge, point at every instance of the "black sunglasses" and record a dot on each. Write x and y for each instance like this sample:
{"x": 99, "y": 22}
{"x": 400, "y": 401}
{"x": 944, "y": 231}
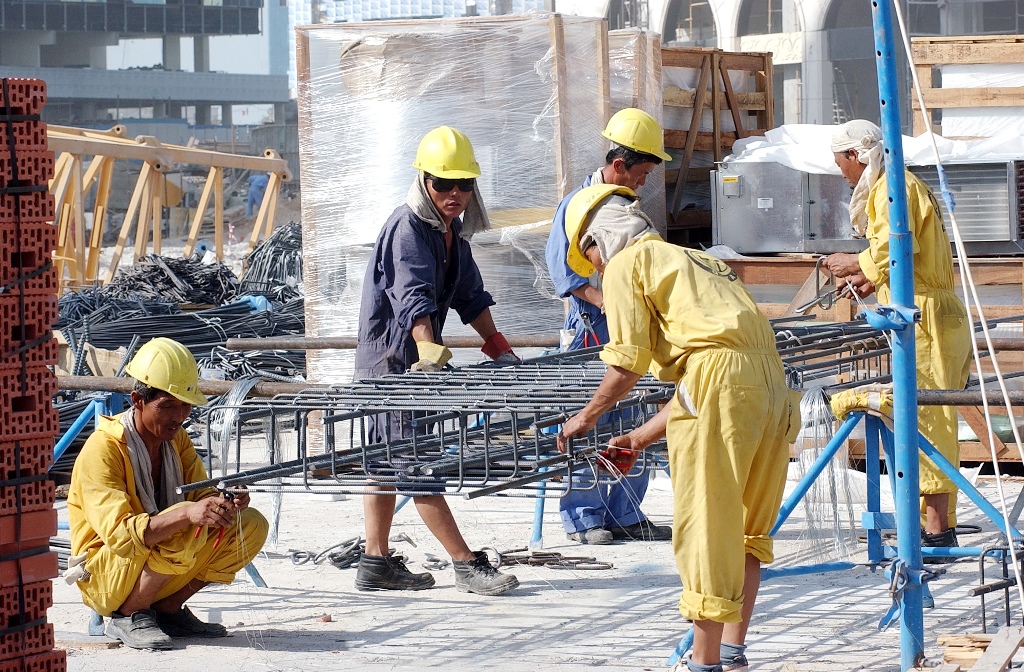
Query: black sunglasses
{"x": 443, "y": 185}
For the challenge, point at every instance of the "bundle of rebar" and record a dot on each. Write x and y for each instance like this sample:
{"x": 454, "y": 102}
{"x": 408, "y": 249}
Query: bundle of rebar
{"x": 274, "y": 268}
{"x": 182, "y": 280}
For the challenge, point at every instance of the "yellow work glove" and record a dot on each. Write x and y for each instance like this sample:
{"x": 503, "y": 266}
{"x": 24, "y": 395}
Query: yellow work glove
{"x": 433, "y": 356}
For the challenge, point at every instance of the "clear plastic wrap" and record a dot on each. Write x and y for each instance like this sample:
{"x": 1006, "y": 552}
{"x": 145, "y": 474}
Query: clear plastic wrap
{"x": 634, "y": 70}
{"x": 529, "y": 91}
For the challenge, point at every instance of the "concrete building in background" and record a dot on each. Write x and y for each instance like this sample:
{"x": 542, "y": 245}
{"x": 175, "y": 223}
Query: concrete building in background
{"x": 68, "y": 44}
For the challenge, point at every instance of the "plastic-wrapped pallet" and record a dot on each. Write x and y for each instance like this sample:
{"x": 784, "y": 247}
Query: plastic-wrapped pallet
{"x": 531, "y": 92}
{"x": 634, "y": 68}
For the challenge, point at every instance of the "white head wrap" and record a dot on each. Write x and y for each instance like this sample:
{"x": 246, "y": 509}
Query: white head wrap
{"x": 865, "y": 137}
{"x": 616, "y": 223}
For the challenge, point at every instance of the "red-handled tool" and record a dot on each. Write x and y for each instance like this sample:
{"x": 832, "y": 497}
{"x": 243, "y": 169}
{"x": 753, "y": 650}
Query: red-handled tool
{"x": 623, "y": 460}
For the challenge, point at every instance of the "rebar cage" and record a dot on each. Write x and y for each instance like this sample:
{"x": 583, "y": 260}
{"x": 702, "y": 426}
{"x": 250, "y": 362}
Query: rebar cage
{"x": 484, "y": 429}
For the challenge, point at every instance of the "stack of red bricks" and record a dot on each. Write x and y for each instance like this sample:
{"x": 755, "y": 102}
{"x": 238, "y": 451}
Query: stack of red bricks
{"x": 28, "y": 421}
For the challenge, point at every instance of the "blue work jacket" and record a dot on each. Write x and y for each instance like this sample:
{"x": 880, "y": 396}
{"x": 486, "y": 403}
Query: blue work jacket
{"x": 566, "y": 280}
{"x": 406, "y": 280}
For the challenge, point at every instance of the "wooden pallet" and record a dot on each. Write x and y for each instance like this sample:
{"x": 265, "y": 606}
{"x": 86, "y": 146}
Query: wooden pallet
{"x": 981, "y": 652}
{"x": 930, "y": 52}
{"x": 752, "y": 112}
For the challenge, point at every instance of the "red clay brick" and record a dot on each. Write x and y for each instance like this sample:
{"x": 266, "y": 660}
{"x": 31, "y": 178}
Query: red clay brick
{"x": 24, "y": 96}
{"x": 29, "y": 456}
{"x": 26, "y": 403}
{"x": 29, "y": 569}
{"x": 51, "y": 661}
{"x": 34, "y": 530}
{"x": 36, "y": 495}
{"x": 29, "y": 135}
{"x": 25, "y": 643}
{"x": 33, "y": 168}
{"x": 27, "y": 207}
{"x": 24, "y": 603}
{"x": 29, "y": 317}
{"x": 25, "y": 249}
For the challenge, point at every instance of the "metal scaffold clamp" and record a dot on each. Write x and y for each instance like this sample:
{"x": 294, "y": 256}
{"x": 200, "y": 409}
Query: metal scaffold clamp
{"x": 892, "y": 318}
{"x": 900, "y": 578}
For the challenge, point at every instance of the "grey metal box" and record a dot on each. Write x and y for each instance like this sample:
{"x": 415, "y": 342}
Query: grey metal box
{"x": 769, "y": 207}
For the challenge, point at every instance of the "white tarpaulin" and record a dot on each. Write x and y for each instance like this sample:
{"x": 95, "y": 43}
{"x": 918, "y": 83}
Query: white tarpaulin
{"x": 805, "y": 147}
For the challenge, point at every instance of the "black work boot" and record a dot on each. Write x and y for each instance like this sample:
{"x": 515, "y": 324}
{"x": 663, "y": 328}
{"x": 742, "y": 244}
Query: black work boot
{"x": 389, "y": 573}
{"x": 478, "y": 576}
{"x": 945, "y": 539}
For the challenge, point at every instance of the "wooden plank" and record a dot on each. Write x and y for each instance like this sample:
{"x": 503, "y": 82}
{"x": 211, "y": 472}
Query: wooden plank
{"x": 981, "y": 52}
{"x": 705, "y": 139}
{"x": 751, "y": 61}
{"x": 691, "y": 137}
{"x": 730, "y": 102}
{"x": 716, "y": 108}
{"x": 684, "y": 57}
{"x": 126, "y": 226}
{"x": 197, "y": 220}
{"x": 974, "y": 416}
{"x": 701, "y": 174}
{"x": 1000, "y": 651}
{"x": 99, "y": 216}
{"x": 78, "y": 212}
{"x": 218, "y": 212}
{"x": 742, "y": 100}
{"x": 560, "y": 77}
{"x": 1002, "y": 96}
{"x": 980, "y": 639}
{"x": 604, "y": 85}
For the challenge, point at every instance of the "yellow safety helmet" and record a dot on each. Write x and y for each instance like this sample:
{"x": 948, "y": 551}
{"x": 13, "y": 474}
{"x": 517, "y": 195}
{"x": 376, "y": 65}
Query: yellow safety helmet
{"x": 637, "y": 130}
{"x": 577, "y": 216}
{"x": 168, "y": 365}
{"x": 446, "y": 152}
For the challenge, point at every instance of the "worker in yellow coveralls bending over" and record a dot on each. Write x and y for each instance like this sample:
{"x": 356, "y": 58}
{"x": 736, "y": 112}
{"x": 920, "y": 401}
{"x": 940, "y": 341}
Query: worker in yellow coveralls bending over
{"x": 943, "y": 335}
{"x": 687, "y": 318}
{"x": 140, "y": 549}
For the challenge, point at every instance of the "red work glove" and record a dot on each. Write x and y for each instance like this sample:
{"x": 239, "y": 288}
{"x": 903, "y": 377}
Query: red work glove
{"x": 497, "y": 348}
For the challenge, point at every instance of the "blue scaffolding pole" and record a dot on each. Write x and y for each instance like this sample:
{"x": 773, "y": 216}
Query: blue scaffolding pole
{"x": 899, "y": 319}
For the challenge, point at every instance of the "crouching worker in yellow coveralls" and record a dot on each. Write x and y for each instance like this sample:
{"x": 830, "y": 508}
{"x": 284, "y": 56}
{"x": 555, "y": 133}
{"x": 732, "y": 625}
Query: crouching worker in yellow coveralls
{"x": 142, "y": 549}
{"x": 686, "y": 317}
{"x": 943, "y": 336}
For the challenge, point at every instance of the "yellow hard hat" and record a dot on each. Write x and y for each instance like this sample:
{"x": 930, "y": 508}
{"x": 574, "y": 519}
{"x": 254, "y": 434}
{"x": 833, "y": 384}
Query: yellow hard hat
{"x": 446, "y": 152}
{"x": 637, "y": 130}
{"x": 168, "y": 365}
{"x": 577, "y": 216}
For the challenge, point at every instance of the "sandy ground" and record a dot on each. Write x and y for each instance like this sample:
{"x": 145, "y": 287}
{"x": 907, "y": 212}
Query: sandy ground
{"x": 624, "y": 618}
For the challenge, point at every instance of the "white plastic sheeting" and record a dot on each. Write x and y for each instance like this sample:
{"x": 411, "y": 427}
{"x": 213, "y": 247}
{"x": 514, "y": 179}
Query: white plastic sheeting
{"x": 805, "y": 147}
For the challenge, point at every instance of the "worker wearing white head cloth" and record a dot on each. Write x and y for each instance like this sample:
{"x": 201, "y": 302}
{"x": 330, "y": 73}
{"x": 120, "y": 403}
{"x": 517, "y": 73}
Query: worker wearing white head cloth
{"x": 686, "y": 317}
{"x": 943, "y": 336}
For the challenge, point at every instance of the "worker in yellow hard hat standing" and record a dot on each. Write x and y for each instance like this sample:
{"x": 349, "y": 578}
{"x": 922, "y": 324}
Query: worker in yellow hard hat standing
{"x": 602, "y": 514}
{"x": 685, "y": 316}
{"x": 421, "y": 266}
{"x": 140, "y": 550}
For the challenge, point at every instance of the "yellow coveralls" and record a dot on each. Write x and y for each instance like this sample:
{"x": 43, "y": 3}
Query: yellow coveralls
{"x": 943, "y": 336}
{"x": 687, "y": 317}
{"x": 108, "y": 521}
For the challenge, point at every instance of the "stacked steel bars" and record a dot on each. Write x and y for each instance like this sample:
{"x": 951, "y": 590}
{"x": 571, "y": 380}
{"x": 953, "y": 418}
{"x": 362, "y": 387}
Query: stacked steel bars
{"x": 487, "y": 429}
{"x": 28, "y": 422}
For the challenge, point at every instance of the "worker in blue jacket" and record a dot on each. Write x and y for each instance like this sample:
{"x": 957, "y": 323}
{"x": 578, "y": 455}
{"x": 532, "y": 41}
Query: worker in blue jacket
{"x": 421, "y": 266}
{"x": 603, "y": 514}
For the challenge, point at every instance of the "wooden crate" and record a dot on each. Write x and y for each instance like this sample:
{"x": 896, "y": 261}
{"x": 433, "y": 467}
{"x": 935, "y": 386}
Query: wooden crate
{"x": 931, "y": 52}
{"x": 751, "y": 112}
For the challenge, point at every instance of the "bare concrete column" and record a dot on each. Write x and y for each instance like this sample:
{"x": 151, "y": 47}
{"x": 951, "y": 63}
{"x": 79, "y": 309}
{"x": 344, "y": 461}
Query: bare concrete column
{"x": 172, "y": 52}
{"x": 201, "y": 52}
{"x": 203, "y": 114}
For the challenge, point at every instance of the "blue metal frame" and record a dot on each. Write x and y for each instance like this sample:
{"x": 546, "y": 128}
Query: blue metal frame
{"x": 91, "y": 413}
{"x": 879, "y": 443}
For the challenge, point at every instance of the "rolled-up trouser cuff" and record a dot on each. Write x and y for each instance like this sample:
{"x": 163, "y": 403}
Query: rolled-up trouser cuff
{"x": 697, "y": 607}
{"x": 761, "y": 547}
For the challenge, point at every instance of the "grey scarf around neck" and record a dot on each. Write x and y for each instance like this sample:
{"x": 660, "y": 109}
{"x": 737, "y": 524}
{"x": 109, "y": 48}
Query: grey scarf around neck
{"x": 170, "y": 474}
{"x": 474, "y": 219}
